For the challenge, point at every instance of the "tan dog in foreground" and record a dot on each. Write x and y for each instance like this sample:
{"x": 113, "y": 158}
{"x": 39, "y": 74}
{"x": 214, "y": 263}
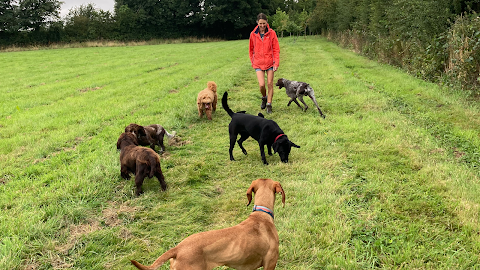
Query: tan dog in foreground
{"x": 207, "y": 100}
{"x": 246, "y": 246}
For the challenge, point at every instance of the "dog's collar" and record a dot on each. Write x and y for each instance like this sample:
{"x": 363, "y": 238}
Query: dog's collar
{"x": 263, "y": 209}
{"x": 278, "y": 137}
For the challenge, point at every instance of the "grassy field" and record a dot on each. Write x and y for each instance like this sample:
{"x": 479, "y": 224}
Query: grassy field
{"x": 389, "y": 180}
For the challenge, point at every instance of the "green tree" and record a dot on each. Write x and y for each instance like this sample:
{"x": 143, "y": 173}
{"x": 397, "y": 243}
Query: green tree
{"x": 88, "y": 23}
{"x": 233, "y": 18}
{"x": 324, "y": 16}
{"x": 279, "y": 21}
{"x": 8, "y": 19}
{"x": 155, "y": 19}
{"x": 34, "y": 14}
{"x": 417, "y": 19}
{"x": 303, "y": 21}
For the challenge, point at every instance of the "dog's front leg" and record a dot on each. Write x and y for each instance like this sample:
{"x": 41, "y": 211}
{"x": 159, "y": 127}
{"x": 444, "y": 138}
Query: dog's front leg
{"x": 200, "y": 109}
{"x": 269, "y": 148}
{"x": 292, "y": 99}
{"x": 296, "y": 102}
{"x": 262, "y": 153}
{"x": 209, "y": 114}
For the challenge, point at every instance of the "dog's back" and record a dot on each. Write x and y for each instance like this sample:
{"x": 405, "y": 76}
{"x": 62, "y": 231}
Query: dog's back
{"x": 251, "y": 124}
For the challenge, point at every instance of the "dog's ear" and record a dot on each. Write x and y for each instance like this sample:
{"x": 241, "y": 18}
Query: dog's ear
{"x": 118, "y": 141}
{"x": 279, "y": 189}
{"x": 249, "y": 193}
{"x": 141, "y": 131}
{"x": 134, "y": 139}
{"x": 294, "y": 145}
{"x": 261, "y": 115}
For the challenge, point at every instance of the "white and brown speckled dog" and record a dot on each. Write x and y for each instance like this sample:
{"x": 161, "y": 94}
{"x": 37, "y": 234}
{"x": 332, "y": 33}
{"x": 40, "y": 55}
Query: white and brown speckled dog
{"x": 207, "y": 100}
{"x": 296, "y": 90}
{"x": 150, "y": 135}
{"x": 249, "y": 245}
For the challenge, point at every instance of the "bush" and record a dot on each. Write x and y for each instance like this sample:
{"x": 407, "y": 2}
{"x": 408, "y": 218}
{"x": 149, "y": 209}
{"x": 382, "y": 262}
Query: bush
{"x": 463, "y": 67}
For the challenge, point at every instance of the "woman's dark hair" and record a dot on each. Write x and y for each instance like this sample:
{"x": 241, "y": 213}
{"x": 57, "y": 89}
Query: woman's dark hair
{"x": 261, "y": 16}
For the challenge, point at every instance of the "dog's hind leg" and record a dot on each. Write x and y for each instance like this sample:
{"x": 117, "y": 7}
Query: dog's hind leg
{"x": 124, "y": 173}
{"x": 161, "y": 179}
{"x": 240, "y": 142}
{"x": 233, "y": 139}
{"x": 139, "y": 182}
{"x": 316, "y": 104}
{"x": 301, "y": 99}
{"x": 160, "y": 142}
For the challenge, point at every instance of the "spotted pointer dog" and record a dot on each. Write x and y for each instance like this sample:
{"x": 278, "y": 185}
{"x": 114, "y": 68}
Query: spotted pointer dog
{"x": 296, "y": 90}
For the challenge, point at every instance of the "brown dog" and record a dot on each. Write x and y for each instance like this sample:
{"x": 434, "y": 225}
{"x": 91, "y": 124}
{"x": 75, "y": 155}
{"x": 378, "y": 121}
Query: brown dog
{"x": 207, "y": 100}
{"x": 248, "y": 245}
{"x": 150, "y": 135}
{"x": 138, "y": 160}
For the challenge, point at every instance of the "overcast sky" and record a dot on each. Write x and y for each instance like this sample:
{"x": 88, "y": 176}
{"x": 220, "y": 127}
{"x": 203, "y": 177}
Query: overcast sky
{"x": 100, "y": 4}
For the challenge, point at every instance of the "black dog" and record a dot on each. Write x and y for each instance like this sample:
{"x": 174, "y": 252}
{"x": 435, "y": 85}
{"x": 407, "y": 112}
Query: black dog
{"x": 296, "y": 90}
{"x": 265, "y": 131}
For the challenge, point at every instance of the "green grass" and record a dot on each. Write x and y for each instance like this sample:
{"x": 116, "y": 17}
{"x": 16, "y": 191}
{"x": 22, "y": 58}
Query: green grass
{"x": 389, "y": 180}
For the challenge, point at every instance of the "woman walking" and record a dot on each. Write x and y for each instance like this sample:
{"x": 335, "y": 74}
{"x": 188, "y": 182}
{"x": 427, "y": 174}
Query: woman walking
{"x": 264, "y": 53}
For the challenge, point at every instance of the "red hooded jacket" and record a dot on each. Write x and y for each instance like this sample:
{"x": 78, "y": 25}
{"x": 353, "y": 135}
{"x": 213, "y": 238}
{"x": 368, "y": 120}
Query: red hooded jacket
{"x": 264, "y": 53}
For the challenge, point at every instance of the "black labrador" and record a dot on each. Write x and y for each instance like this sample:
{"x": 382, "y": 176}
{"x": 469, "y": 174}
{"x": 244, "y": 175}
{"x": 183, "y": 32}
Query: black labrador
{"x": 265, "y": 131}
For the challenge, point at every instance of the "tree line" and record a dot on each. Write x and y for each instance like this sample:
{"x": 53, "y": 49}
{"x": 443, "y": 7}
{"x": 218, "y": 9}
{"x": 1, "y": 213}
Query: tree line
{"x": 437, "y": 40}
{"x": 26, "y": 22}
{"x": 434, "y": 39}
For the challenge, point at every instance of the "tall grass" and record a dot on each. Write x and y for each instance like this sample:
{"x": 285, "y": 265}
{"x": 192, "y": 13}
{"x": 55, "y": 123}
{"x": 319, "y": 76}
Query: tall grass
{"x": 388, "y": 180}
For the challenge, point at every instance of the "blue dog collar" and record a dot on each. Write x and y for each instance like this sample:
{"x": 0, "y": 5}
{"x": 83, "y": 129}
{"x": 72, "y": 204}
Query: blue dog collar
{"x": 263, "y": 209}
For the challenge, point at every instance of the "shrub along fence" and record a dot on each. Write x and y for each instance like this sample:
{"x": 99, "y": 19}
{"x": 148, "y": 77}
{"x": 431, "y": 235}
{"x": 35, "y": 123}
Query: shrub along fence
{"x": 444, "y": 47}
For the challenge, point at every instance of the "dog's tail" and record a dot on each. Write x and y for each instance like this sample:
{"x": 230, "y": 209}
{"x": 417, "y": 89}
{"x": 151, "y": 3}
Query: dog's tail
{"x": 170, "y": 135}
{"x": 212, "y": 86}
{"x": 225, "y": 104}
{"x": 172, "y": 253}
